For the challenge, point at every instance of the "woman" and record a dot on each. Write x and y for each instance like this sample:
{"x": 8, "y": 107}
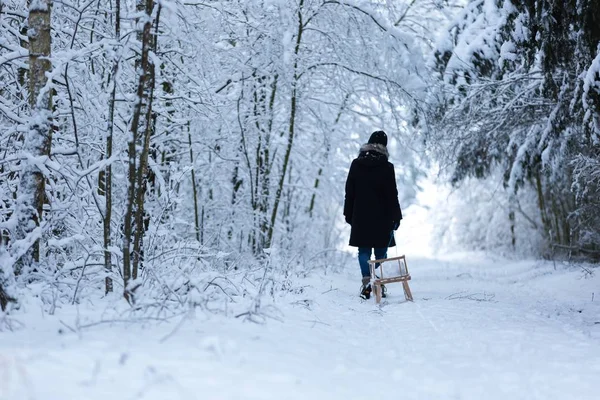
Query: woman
{"x": 371, "y": 205}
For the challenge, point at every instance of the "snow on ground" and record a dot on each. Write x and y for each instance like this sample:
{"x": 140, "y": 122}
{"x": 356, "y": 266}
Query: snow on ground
{"x": 478, "y": 329}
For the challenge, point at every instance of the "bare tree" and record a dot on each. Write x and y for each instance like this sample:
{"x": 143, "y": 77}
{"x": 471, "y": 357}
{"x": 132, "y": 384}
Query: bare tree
{"x": 141, "y": 128}
{"x": 38, "y": 137}
{"x": 106, "y": 183}
{"x": 291, "y": 126}
{"x": 249, "y": 100}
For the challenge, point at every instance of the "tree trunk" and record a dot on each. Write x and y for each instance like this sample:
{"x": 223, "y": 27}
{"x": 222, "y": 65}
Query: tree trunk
{"x": 547, "y": 228}
{"x": 38, "y": 138}
{"x": 142, "y": 171}
{"x": 141, "y": 119}
{"x": 5, "y": 298}
{"x": 260, "y": 206}
{"x": 109, "y": 149}
{"x": 326, "y": 158}
{"x": 291, "y": 131}
{"x": 194, "y": 188}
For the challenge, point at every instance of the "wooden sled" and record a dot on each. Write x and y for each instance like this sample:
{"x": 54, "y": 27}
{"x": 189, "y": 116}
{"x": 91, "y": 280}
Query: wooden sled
{"x": 403, "y": 276}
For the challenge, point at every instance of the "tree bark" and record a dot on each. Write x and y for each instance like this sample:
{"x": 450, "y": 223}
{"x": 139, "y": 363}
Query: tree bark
{"x": 194, "y": 189}
{"x": 108, "y": 284}
{"x": 38, "y": 138}
{"x": 149, "y": 43}
{"x": 326, "y": 158}
{"x": 5, "y": 298}
{"x": 291, "y": 130}
{"x": 262, "y": 183}
{"x": 141, "y": 114}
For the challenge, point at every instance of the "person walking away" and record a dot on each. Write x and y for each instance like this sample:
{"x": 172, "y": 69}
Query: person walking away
{"x": 371, "y": 205}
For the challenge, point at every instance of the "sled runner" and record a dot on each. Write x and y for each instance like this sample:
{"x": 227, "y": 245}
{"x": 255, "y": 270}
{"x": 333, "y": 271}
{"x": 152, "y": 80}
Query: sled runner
{"x": 380, "y": 279}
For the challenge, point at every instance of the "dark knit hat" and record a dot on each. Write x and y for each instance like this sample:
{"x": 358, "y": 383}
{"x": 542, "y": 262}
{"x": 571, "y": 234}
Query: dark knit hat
{"x": 378, "y": 137}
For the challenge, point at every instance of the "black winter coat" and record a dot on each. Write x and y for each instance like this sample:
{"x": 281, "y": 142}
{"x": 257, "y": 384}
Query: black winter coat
{"x": 371, "y": 204}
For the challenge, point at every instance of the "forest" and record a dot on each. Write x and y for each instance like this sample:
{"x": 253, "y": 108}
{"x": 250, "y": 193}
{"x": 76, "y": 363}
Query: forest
{"x": 169, "y": 155}
{"x": 149, "y": 136}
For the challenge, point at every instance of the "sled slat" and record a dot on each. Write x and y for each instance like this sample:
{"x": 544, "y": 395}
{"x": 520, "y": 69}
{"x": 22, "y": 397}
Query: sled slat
{"x": 403, "y": 278}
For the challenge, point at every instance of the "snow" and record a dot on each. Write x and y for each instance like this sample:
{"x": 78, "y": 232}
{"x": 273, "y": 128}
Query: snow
{"x": 288, "y": 52}
{"x": 478, "y": 328}
{"x": 590, "y": 81}
{"x": 507, "y": 52}
{"x": 38, "y": 5}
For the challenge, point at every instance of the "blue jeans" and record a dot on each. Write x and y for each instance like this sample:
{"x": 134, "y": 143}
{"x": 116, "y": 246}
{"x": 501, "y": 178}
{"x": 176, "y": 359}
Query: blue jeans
{"x": 364, "y": 255}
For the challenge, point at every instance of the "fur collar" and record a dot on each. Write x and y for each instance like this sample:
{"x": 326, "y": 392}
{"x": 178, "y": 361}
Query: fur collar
{"x": 374, "y": 147}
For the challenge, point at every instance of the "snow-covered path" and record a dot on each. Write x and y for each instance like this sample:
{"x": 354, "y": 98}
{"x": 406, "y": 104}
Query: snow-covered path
{"x": 477, "y": 330}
